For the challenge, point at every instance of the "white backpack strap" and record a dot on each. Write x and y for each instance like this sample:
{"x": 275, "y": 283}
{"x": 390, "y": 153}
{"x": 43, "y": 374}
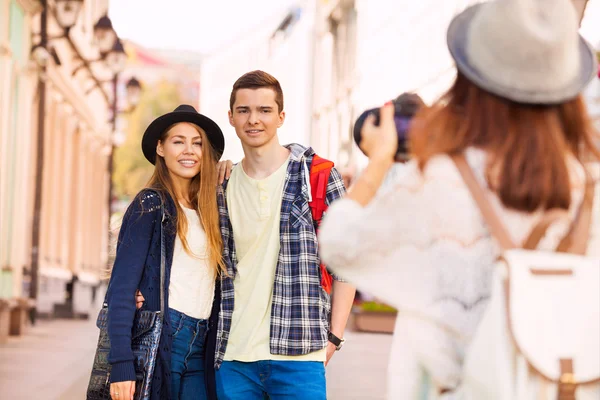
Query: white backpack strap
{"x": 566, "y": 384}
{"x": 576, "y": 240}
{"x": 539, "y": 231}
{"x": 489, "y": 215}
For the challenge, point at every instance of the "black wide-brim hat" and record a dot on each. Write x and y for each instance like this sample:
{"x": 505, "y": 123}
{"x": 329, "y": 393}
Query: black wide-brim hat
{"x": 183, "y": 113}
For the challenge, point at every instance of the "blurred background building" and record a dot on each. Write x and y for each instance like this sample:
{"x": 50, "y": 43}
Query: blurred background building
{"x": 368, "y": 52}
{"x": 17, "y": 83}
{"x": 59, "y": 62}
{"x": 590, "y": 30}
{"x": 283, "y": 46}
{"x": 75, "y": 100}
{"x": 334, "y": 59}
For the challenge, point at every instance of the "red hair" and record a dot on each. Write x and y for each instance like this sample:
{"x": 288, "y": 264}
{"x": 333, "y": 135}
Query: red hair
{"x": 527, "y": 144}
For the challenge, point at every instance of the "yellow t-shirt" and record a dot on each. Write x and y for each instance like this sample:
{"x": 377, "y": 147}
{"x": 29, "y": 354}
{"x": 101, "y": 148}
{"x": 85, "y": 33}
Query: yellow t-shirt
{"x": 255, "y": 210}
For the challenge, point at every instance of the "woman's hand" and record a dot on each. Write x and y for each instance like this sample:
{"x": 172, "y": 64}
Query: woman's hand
{"x": 224, "y": 170}
{"x": 122, "y": 390}
{"x": 139, "y": 299}
{"x": 380, "y": 142}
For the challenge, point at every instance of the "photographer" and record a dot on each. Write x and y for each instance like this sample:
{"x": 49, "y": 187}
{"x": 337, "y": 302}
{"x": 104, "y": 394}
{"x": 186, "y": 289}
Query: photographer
{"x": 516, "y": 114}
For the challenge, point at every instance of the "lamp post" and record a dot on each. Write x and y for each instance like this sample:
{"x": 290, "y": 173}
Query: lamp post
{"x": 105, "y": 34}
{"x": 112, "y": 53}
{"x": 37, "y": 199}
{"x": 67, "y": 12}
{"x": 116, "y": 61}
{"x": 134, "y": 91}
{"x": 133, "y": 87}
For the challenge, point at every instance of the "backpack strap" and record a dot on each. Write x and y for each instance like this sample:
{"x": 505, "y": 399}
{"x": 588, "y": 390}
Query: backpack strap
{"x": 576, "y": 240}
{"x": 489, "y": 215}
{"x": 539, "y": 231}
{"x": 320, "y": 169}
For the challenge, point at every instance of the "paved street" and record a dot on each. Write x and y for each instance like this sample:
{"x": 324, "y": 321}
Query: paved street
{"x": 52, "y": 362}
{"x": 358, "y": 371}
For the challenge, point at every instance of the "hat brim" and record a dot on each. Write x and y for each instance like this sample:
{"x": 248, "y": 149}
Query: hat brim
{"x": 159, "y": 125}
{"x": 457, "y": 42}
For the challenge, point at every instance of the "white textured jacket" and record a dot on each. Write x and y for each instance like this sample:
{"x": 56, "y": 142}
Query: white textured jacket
{"x": 423, "y": 247}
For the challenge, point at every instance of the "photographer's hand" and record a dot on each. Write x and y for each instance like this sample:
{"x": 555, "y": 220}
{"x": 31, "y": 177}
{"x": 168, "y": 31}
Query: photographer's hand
{"x": 380, "y": 143}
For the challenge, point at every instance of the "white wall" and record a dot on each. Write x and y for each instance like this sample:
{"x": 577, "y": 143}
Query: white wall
{"x": 400, "y": 46}
{"x": 290, "y": 62}
{"x": 590, "y": 30}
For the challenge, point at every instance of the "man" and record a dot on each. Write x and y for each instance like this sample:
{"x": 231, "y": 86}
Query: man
{"x": 277, "y": 327}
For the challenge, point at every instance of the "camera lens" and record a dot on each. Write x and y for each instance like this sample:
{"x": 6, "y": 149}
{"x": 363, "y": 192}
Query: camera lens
{"x": 405, "y": 107}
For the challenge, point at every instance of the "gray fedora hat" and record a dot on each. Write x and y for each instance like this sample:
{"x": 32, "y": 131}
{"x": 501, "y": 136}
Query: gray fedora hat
{"x": 528, "y": 51}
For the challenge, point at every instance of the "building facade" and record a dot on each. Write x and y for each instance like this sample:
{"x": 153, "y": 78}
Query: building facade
{"x": 282, "y": 47}
{"x": 590, "y": 29}
{"x": 74, "y": 214}
{"x": 368, "y": 52}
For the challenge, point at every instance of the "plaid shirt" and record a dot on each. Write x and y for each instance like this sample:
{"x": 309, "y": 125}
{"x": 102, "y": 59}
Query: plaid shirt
{"x": 300, "y": 308}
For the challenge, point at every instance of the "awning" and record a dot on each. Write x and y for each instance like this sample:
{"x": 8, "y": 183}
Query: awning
{"x": 54, "y": 272}
{"x": 88, "y": 277}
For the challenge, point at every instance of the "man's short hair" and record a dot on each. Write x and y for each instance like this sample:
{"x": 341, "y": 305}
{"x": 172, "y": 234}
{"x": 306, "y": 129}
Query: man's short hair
{"x": 255, "y": 80}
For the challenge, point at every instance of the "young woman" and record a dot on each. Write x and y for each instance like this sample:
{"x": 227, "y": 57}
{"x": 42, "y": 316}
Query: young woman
{"x": 184, "y": 146}
{"x": 516, "y": 113}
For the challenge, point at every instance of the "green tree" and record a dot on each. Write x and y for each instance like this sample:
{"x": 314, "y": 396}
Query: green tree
{"x": 131, "y": 169}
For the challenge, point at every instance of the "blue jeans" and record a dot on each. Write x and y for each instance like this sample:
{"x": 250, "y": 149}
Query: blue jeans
{"x": 301, "y": 380}
{"x": 187, "y": 359}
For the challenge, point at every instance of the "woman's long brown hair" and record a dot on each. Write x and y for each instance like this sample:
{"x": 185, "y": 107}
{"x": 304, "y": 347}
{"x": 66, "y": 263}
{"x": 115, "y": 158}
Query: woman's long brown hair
{"x": 203, "y": 198}
{"x": 527, "y": 144}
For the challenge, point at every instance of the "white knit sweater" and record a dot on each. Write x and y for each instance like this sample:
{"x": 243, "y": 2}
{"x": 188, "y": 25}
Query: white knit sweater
{"x": 423, "y": 247}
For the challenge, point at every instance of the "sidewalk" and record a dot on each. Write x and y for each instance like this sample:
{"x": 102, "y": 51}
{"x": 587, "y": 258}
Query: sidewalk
{"x": 53, "y": 361}
{"x": 359, "y": 370}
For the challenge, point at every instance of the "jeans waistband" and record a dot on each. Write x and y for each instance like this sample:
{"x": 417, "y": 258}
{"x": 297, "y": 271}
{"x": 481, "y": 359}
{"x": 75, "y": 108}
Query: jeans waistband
{"x": 186, "y": 320}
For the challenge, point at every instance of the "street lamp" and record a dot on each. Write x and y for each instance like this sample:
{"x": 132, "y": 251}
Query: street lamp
{"x": 118, "y": 138}
{"x": 67, "y": 12}
{"x": 108, "y": 42}
{"x": 134, "y": 92}
{"x": 116, "y": 59}
{"x": 105, "y": 34}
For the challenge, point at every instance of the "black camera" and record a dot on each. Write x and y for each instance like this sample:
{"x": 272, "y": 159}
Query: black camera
{"x": 405, "y": 107}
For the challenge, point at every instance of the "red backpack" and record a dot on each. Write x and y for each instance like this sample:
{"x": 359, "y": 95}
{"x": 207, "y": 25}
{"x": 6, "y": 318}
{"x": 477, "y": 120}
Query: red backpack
{"x": 320, "y": 170}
